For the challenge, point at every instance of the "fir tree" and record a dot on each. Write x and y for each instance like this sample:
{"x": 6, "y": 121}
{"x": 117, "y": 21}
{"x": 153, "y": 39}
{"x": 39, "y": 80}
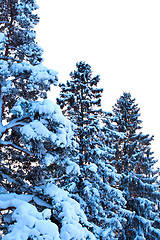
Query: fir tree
{"x": 135, "y": 161}
{"x": 80, "y": 100}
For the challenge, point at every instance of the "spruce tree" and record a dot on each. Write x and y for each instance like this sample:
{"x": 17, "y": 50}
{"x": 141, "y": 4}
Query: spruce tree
{"x": 80, "y": 100}
{"x": 135, "y": 161}
{"x": 77, "y": 100}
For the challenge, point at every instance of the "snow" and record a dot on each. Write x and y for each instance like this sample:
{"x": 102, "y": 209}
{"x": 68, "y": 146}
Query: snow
{"x": 51, "y": 111}
{"x": 48, "y": 111}
{"x": 72, "y": 168}
{"x": 108, "y": 233}
{"x": 35, "y": 130}
{"x": 4, "y": 68}
{"x": 2, "y": 190}
{"x": 18, "y": 110}
{"x": 47, "y": 107}
{"x": 53, "y": 137}
{"x": 48, "y": 159}
{"x": 28, "y": 221}
{"x": 96, "y": 192}
{"x": 39, "y": 74}
{"x": 47, "y": 228}
{"x": 70, "y": 214}
{"x": 11, "y": 196}
{"x": 2, "y": 36}
{"x": 7, "y": 87}
{"x": 92, "y": 167}
{"x": 19, "y": 68}
{"x": 51, "y": 126}
{"x": 2, "y": 40}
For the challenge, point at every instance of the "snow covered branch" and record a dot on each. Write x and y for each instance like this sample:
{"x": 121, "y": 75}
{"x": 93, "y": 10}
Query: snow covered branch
{"x": 10, "y": 144}
{"x": 16, "y": 122}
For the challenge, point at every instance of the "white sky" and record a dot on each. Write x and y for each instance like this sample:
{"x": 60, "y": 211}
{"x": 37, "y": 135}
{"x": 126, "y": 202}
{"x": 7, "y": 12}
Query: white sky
{"x": 120, "y": 39}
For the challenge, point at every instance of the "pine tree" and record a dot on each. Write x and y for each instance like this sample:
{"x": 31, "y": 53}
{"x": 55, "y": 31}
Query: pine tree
{"x": 80, "y": 100}
{"x": 135, "y": 161}
{"x": 18, "y": 19}
{"x": 33, "y": 134}
{"x": 23, "y": 80}
{"x": 77, "y": 99}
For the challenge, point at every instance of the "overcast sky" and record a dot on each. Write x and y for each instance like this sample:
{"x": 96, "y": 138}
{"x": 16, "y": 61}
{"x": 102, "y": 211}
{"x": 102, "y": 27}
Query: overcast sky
{"x": 120, "y": 39}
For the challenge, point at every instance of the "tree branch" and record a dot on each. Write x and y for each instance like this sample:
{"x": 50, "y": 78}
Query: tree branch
{"x": 14, "y": 123}
{"x": 11, "y": 125}
{"x": 10, "y": 144}
{"x": 18, "y": 119}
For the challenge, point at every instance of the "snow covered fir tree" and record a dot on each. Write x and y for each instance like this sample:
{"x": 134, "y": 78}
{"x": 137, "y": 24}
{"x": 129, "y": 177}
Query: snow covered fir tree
{"x": 73, "y": 171}
{"x": 80, "y": 100}
{"x": 135, "y": 162}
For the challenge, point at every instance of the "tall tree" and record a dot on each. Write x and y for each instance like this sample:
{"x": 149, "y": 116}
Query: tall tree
{"x": 31, "y": 131}
{"x": 135, "y": 162}
{"x": 80, "y": 100}
{"x": 23, "y": 79}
